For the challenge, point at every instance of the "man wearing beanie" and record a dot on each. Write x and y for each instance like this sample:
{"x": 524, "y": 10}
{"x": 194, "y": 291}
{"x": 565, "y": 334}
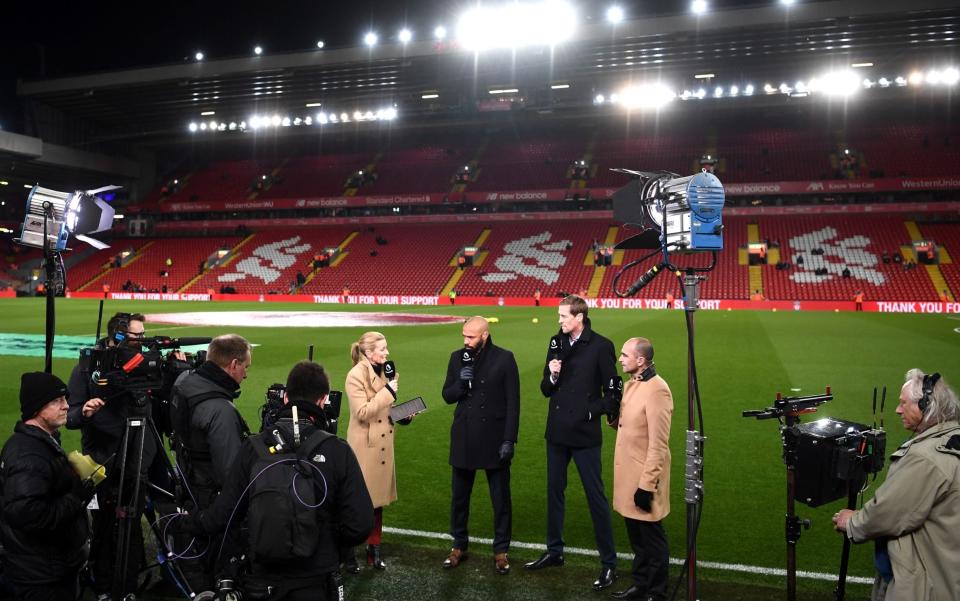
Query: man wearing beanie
{"x": 43, "y": 523}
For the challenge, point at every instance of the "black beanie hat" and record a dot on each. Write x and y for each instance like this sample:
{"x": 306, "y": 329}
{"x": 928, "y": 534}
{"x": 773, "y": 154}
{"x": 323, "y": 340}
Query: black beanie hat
{"x": 38, "y": 388}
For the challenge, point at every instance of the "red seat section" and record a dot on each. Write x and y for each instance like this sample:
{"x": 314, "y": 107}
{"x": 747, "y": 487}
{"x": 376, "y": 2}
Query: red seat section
{"x": 524, "y": 257}
{"x": 536, "y": 164}
{"x": 947, "y": 236}
{"x": 414, "y": 260}
{"x": 323, "y": 175}
{"x": 856, "y": 243}
{"x": 224, "y": 180}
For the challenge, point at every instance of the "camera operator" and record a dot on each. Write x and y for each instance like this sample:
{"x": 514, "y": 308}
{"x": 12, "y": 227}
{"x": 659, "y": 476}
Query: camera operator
{"x": 44, "y": 522}
{"x": 208, "y": 427}
{"x": 271, "y": 484}
{"x": 102, "y": 423}
{"x": 914, "y": 517}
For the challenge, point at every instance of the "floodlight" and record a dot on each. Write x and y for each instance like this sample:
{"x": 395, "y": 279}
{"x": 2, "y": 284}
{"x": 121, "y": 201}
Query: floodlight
{"x": 192, "y": 127}
{"x": 769, "y": 89}
{"x": 734, "y": 90}
{"x": 543, "y": 23}
{"x": 748, "y": 91}
{"x": 787, "y": 2}
{"x": 258, "y": 50}
{"x": 276, "y": 121}
{"x": 698, "y": 7}
{"x": 440, "y": 32}
{"x": 647, "y": 96}
{"x": 285, "y": 122}
{"x": 916, "y": 78}
{"x": 198, "y": 56}
{"x": 950, "y": 76}
{"x": 701, "y": 94}
{"x": 213, "y": 125}
{"x": 203, "y": 126}
{"x": 320, "y": 44}
{"x": 614, "y": 14}
{"x": 933, "y": 77}
{"x": 60, "y": 214}
{"x": 884, "y": 82}
{"x": 599, "y": 99}
{"x": 405, "y": 36}
{"x": 836, "y": 83}
{"x": 718, "y": 92}
{"x": 900, "y": 81}
{"x": 370, "y": 39}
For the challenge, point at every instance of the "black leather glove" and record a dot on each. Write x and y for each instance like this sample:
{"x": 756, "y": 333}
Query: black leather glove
{"x": 466, "y": 373}
{"x": 643, "y": 499}
{"x": 506, "y": 451}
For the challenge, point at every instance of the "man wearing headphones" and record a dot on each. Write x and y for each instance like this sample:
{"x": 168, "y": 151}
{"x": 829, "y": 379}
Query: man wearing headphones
{"x": 914, "y": 517}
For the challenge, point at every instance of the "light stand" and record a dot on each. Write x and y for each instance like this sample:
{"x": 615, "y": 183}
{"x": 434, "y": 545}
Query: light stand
{"x": 54, "y": 283}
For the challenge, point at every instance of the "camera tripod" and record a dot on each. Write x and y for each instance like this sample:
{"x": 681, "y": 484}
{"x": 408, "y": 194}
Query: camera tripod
{"x": 130, "y": 494}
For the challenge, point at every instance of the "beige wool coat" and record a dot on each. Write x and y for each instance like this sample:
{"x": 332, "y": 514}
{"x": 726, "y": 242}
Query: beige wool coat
{"x": 370, "y": 432}
{"x": 641, "y": 458}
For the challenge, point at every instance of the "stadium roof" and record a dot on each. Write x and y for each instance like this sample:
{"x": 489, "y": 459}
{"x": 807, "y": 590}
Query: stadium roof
{"x": 755, "y": 42}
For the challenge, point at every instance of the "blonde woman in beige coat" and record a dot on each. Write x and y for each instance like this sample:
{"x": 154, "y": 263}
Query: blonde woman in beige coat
{"x": 641, "y": 469}
{"x": 370, "y": 433}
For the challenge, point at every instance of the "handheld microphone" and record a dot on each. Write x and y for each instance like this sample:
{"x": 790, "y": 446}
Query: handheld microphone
{"x": 466, "y": 360}
{"x": 389, "y": 371}
{"x": 556, "y": 344}
{"x": 644, "y": 280}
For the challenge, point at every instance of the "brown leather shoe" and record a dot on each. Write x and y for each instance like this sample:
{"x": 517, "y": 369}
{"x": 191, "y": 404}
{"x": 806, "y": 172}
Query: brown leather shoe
{"x": 454, "y": 559}
{"x": 501, "y": 563}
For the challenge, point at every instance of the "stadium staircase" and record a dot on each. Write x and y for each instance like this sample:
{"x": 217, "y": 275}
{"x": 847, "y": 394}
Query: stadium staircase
{"x": 342, "y": 253}
{"x": 478, "y": 261}
{"x": 946, "y": 275}
{"x": 312, "y": 176}
{"x": 234, "y": 251}
{"x": 100, "y": 265}
{"x": 933, "y": 271}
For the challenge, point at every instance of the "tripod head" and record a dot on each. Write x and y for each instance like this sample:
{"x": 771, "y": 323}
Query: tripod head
{"x": 791, "y": 407}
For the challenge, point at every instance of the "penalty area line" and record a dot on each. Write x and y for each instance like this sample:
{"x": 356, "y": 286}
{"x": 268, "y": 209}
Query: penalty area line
{"x": 713, "y": 565}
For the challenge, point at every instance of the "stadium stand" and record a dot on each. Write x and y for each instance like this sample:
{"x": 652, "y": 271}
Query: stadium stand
{"x": 322, "y": 175}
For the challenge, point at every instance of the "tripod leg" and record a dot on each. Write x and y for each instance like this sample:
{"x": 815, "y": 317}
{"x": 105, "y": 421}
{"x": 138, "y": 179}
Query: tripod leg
{"x": 128, "y": 504}
{"x": 855, "y": 485}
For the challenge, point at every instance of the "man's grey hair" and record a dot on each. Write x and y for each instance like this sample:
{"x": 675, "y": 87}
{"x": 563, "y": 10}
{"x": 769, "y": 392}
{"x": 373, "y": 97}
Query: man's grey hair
{"x": 943, "y": 404}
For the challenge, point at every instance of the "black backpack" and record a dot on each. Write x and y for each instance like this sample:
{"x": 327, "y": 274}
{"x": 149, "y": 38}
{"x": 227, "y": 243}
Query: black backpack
{"x": 286, "y": 498}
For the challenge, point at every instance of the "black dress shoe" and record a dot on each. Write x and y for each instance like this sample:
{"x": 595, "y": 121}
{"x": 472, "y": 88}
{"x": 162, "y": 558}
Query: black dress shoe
{"x": 631, "y": 594}
{"x": 547, "y": 560}
{"x": 607, "y": 577}
{"x": 350, "y": 564}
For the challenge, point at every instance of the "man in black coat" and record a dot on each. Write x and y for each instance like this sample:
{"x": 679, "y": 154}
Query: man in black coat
{"x": 44, "y": 522}
{"x": 342, "y": 509}
{"x": 579, "y": 379}
{"x": 483, "y": 381}
{"x": 208, "y": 434}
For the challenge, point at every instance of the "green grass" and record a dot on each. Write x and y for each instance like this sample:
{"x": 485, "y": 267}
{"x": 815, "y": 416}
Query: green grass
{"x": 743, "y": 357}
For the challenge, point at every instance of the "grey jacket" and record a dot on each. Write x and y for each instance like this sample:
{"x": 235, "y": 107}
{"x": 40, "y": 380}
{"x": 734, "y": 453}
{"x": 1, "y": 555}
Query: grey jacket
{"x": 917, "y": 509}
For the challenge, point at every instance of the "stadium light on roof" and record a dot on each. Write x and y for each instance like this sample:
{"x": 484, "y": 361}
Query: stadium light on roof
{"x": 698, "y": 7}
{"x": 440, "y": 32}
{"x": 370, "y": 39}
{"x": 198, "y": 56}
{"x": 544, "y": 23}
{"x": 916, "y": 78}
{"x": 258, "y": 50}
{"x": 320, "y": 44}
{"x": 192, "y": 127}
{"x": 836, "y": 83}
{"x": 748, "y": 91}
{"x": 405, "y": 36}
{"x": 950, "y": 76}
{"x": 647, "y": 96}
{"x": 614, "y": 14}
{"x": 788, "y": 2}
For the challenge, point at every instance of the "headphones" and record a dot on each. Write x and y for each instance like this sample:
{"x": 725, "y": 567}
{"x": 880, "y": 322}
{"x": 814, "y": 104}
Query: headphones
{"x": 929, "y": 381}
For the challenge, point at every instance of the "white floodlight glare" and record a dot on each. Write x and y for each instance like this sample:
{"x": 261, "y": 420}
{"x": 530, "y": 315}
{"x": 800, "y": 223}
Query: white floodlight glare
{"x": 61, "y": 214}
{"x": 192, "y": 127}
{"x": 598, "y": 99}
{"x": 614, "y": 14}
{"x": 916, "y": 78}
{"x": 258, "y": 50}
{"x": 440, "y": 32}
{"x": 405, "y": 36}
{"x": 836, "y": 83}
{"x": 748, "y": 91}
{"x": 698, "y": 7}
{"x": 718, "y": 92}
{"x": 320, "y": 44}
{"x": 370, "y": 39}
{"x": 701, "y": 94}
{"x": 198, "y": 56}
{"x": 543, "y": 23}
{"x": 884, "y": 82}
{"x": 647, "y": 96}
{"x": 787, "y": 2}
{"x": 950, "y": 76}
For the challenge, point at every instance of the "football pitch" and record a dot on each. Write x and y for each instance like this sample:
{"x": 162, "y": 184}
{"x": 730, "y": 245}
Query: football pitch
{"x": 743, "y": 357}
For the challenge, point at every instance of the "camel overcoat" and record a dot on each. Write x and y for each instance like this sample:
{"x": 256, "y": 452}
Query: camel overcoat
{"x": 370, "y": 432}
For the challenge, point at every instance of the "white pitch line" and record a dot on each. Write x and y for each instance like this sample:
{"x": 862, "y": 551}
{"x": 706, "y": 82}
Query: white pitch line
{"x": 714, "y": 565}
